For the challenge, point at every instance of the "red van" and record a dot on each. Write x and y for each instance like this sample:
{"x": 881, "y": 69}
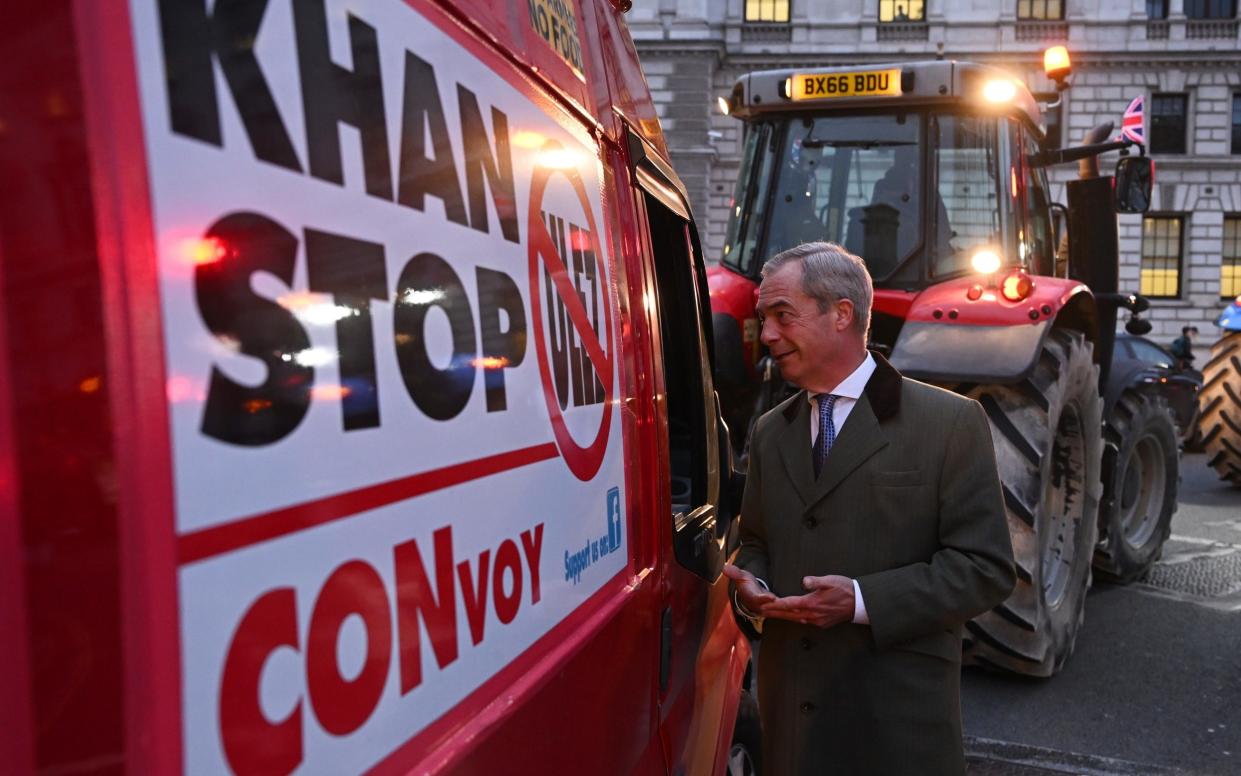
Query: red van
{"x": 356, "y": 410}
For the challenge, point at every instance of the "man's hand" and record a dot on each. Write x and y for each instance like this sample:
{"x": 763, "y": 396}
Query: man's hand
{"x": 750, "y": 594}
{"x": 829, "y": 601}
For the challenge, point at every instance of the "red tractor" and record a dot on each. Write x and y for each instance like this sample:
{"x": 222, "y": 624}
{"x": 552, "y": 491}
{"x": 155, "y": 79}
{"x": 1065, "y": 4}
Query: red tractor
{"x": 935, "y": 173}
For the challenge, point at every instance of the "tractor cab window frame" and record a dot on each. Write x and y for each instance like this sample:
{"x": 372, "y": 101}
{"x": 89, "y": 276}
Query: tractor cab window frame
{"x": 750, "y": 199}
{"x": 938, "y": 245}
{"x": 961, "y": 183}
{"x": 1053, "y": 117}
{"x": 1039, "y": 236}
{"x": 847, "y": 179}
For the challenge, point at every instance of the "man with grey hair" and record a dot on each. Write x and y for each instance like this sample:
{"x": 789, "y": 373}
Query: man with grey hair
{"x": 872, "y": 530}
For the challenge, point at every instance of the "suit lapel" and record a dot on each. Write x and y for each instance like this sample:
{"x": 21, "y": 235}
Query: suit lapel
{"x": 794, "y": 447}
{"x": 859, "y": 439}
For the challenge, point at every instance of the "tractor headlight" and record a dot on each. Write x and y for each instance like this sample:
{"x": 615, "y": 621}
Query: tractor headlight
{"x": 999, "y": 90}
{"x": 985, "y": 261}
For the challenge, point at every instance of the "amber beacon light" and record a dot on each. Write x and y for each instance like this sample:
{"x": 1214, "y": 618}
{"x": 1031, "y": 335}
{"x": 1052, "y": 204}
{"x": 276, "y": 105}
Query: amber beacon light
{"x": 1056, "y": 64}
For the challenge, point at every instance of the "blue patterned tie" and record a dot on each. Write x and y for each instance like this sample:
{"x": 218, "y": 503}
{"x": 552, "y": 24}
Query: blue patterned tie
{"x": 827, "y": 431}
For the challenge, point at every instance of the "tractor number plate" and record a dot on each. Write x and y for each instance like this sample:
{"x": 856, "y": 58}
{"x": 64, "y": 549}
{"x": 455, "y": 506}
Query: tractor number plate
{"x": 865, "y": 83}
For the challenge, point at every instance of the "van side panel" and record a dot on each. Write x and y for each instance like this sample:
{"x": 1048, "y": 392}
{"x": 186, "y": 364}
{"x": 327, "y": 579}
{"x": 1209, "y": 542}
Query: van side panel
{"x": 58, "y": 463}
{"x": 139, "y": 396}
{"x": 599, "y": 667}
{"x": 285, "y": 525}
{"x": 330, "y": 433}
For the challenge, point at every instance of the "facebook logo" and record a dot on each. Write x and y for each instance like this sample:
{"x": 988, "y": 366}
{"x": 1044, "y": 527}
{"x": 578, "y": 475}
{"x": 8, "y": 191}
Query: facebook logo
{"x": 614, "y": 520}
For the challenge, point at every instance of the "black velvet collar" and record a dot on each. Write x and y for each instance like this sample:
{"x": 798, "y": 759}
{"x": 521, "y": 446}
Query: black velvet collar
{"x": 883, "y": 389}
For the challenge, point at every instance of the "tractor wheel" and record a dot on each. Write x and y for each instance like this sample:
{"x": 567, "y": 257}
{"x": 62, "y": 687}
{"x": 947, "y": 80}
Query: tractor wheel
{"x": 1142, "y": 472}
{"x": 1219, "y": 415}
{"x": 1047, "y": 431}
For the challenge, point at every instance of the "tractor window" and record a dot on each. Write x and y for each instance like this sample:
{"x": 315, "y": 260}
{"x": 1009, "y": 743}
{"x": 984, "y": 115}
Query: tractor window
{"x": 967, "y": 182}
{"x": 853, "y": 180}
{"x": 745, "y": 213}
{"x": 1040, "y": 250}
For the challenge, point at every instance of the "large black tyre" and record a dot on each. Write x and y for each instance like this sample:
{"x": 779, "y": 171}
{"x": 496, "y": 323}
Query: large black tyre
{"x": 1219, "y": 408}
{"x": 1047, "y": 432}
{"x": 1141, "y": 464}
{"x": 745, "y": 754}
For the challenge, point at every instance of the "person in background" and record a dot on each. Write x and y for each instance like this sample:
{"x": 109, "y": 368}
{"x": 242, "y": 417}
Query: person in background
{"x": 1183, "y": 347}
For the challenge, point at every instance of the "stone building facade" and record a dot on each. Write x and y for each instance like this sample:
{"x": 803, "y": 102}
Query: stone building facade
{"x": 1183, "y": 55}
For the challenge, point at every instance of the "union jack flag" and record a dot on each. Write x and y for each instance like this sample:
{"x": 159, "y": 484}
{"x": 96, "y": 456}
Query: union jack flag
{"x": 1131, "y": 127}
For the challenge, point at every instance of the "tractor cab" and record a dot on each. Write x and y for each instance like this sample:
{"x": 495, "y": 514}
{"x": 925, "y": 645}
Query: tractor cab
{"x": 924, "y": 170}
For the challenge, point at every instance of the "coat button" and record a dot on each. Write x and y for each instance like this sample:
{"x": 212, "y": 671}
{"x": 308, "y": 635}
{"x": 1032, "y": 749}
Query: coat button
{"x": 806, "y": 643}
{"x": 807, "y": 708}
{"x": 811, "y": 522}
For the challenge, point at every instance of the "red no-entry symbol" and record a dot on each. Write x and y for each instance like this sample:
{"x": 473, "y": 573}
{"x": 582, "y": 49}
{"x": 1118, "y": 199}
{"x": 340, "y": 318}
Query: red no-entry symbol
{"x": 583, "y": 461}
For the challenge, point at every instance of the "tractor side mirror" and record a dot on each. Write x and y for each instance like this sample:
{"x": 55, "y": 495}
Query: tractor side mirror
{"x": 1134, "y": 177}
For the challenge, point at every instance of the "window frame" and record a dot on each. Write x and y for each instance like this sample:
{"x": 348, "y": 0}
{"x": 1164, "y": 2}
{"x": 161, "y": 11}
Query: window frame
{"x": 679, "y": 285}
{"x": 1031, "y": 16}
{"x": 1183, "y": 147}
{"x": 1234, "y": 260}
{"x": 1210, "y": 10}
{"x": 1182, "y": 221}
{"x": 890, "y": 5}
{"x": 1235, "y": 124}
{"x": 758, "y": 18}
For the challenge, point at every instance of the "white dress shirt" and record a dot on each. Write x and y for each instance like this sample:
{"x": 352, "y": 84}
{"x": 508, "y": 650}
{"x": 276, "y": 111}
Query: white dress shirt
{"x": 847, "y": 394}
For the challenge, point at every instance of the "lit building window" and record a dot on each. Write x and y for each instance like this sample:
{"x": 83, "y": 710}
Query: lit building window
{"x": 1040, "y": 10}
{"x": 766, "y": 10}
{"x": 902, "y": 11}
{"x": 1230, "y": 258}
{"x": 1161, "y": 256}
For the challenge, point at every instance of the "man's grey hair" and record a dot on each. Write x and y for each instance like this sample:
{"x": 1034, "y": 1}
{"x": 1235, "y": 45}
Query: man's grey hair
{"x": 829, "y": 273}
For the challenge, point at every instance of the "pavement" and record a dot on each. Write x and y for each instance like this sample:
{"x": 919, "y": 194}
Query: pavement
{"x": 1154, "y": 686}
{"x": 985, "y": 757}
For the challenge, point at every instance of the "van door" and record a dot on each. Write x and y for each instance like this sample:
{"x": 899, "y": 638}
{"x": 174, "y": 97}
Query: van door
{"x": 698, "y": 633}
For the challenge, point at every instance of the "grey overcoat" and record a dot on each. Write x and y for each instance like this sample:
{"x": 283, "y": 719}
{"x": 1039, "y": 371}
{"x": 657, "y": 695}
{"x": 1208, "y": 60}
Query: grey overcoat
{"x": 909, "y": 504}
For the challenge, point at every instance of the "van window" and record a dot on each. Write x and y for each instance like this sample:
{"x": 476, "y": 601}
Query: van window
{"x": 686, "y": 383}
